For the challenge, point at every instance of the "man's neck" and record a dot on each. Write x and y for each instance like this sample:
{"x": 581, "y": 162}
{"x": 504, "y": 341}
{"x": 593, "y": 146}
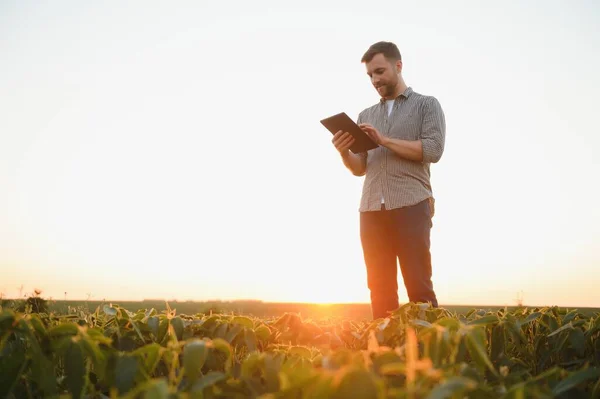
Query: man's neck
{"x": 400, "y": 88}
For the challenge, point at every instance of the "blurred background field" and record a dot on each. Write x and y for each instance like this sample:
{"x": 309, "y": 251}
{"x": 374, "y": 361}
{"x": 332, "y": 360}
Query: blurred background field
{"x": 356, "y": 311}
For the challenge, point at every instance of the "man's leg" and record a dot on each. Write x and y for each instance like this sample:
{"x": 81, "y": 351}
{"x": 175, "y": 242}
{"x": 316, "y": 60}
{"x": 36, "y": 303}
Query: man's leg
{"x": 412, "y": 226}
{"x": 380, "y": 260}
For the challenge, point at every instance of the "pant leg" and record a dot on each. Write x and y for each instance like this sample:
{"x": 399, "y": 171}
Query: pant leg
{"x": 412, "y": 226}
{"x": 380, "y": 260}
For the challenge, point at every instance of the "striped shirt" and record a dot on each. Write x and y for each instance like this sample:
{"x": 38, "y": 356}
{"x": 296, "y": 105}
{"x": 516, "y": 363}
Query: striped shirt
{"x": 397, "y": 181}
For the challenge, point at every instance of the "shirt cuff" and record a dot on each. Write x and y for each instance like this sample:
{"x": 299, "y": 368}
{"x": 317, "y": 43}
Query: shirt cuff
{"x": 432, "y": 152}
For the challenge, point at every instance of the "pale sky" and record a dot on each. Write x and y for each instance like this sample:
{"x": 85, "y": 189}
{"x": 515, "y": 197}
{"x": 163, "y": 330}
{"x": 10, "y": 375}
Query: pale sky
{"x": 174, "y": 150}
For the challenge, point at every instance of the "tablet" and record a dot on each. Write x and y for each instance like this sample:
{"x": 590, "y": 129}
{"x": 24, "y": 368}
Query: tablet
{"x": 341, "y": 121}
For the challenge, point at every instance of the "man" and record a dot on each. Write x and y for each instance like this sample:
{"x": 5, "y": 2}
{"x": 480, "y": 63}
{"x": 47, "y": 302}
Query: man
{"x": 397, "y": 202}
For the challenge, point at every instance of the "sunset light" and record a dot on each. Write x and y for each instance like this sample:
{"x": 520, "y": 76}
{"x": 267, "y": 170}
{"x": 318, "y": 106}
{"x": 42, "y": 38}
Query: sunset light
{"x": 299, "y": 200}
{"x": 180, "y": 155}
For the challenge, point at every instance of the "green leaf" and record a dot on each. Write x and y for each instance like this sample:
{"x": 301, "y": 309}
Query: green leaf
{"x": 221, "y": 331}
{"x": 93, "y": 351}
{"x": 153, "y": 323}
{"x": 421, "y": 323}
{"x": 484, "y": 321}
{"x": 460, "y": 351}
{"x": 12, "y": 365}
{"x": 513, "y": 328}
{"x": 133, "y": 323}
{"x": 517, "y": 391}
{"x": 149, "y": 356}
{"x": 223, "y": 346}
{"x": 177, "y": 323}
{"x": 125, "y": 370}
{"x": 301, "y": 351}
{"x": 355, "y": 383}
{"x": 75, "y": 370}
{"x": 109, "y": 310}
{"x": 321, "y": 388}
{"x": 550, "y": 321}
{"x": 194, "y": 356}
{"x": 532, "y": 317}
{"x": 208, "y": 380}
{"x": 250, "y": 339}
{"x": 63, "y": 329}
{"x": 453, "y": 387}
{"x": 596, "y": 390}
{"x": 262, "y": 332}
{"x": 244, "y": 321}
{"x": 553, "y": 372}
{"x": 98, "y": 337}
{"x": 450, "y": 323}
{"x": 560, "y": 347}
{"x": 7, "y": 318}
{"x": 251, "y": 365}
{"x": 210, "y": 322}
{"x": 37, "y": 325}
{"x": 40, "y": 375}
{"x": 568, "y": 326}
{"x": 395, "y": 368}
{"x": 498, "y": 342}
{"x": 233, "y": 332}
{"x": 60, "y": 344}
{"x": 575, "y": 379}
{"x": 273, "y": 378}
{"x": 569, "y": 316}
{"x": 577, "y": 341}
{"x": 156, "y": 389}
{"x": 162, "y": 330}
{"x": 478, "y": 350}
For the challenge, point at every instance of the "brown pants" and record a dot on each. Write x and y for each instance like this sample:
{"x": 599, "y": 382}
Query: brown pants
{"x": 389, "y": 236}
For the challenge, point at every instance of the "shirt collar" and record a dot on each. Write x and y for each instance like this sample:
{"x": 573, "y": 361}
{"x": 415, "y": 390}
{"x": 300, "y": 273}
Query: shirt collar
{"x": 405, "y": 94}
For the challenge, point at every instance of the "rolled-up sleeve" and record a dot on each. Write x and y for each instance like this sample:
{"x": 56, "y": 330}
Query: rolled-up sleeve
{"x": 433, "y": 131}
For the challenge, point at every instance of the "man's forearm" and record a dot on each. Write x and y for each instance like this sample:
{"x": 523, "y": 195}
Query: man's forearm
{"x": 411, "y": 150}
{"x": 355, "y": 163}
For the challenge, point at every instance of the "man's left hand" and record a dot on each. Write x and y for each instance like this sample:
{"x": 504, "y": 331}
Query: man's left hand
{"x": 374, "y": 134}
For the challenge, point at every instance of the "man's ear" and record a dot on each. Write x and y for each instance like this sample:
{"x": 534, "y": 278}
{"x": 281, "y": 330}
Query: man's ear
{"x": 398, "y": 66}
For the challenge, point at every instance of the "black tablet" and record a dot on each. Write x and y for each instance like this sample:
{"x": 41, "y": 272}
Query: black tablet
{"x": 341, "y": 121}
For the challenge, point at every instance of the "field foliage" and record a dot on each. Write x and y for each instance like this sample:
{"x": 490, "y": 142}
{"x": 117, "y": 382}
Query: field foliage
{"x": 417, "y": 352}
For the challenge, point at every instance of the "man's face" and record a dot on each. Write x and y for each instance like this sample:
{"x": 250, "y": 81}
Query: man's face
{"x": 383, "y": 74}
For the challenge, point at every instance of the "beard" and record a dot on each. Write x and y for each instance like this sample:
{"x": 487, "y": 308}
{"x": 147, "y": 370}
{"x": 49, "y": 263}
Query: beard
{"x": 387, "y": 89}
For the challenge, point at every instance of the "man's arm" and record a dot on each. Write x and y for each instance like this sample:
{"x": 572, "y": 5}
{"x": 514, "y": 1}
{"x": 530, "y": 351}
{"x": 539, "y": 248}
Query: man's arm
{"x": 411, "y": 150}
{"x": 431, "y": 145}
{"x": 433, "y": 131}
{"x": 356, "y": 163}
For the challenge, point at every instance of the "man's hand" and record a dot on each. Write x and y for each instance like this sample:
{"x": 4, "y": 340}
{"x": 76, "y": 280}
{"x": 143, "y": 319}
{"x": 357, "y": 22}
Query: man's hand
{"x": 342, "y": 142}
{"x": 374, "y": 134}
{"x": 410, "y": 150}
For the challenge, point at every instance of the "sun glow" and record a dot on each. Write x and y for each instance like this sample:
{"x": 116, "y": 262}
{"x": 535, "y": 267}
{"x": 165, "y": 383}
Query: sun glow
{"x": 133, "y": 166}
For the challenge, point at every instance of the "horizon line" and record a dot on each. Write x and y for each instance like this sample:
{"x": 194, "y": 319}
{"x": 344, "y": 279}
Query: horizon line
{"x": 116, "y": 301}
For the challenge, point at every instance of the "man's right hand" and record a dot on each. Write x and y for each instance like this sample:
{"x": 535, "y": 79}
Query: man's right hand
{"x": 342, "y": 142}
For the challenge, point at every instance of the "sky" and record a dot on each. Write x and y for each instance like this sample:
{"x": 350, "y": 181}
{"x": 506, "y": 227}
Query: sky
{"x": 174, "y": 151}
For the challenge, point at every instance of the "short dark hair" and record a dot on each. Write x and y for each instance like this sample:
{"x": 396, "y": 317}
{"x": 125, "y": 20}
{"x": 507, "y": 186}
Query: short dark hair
{"x": 388, "y": 49}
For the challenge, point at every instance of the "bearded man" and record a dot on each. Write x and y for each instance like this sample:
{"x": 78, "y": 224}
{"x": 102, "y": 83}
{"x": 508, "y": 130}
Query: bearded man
{"x": 397, "y": 203}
